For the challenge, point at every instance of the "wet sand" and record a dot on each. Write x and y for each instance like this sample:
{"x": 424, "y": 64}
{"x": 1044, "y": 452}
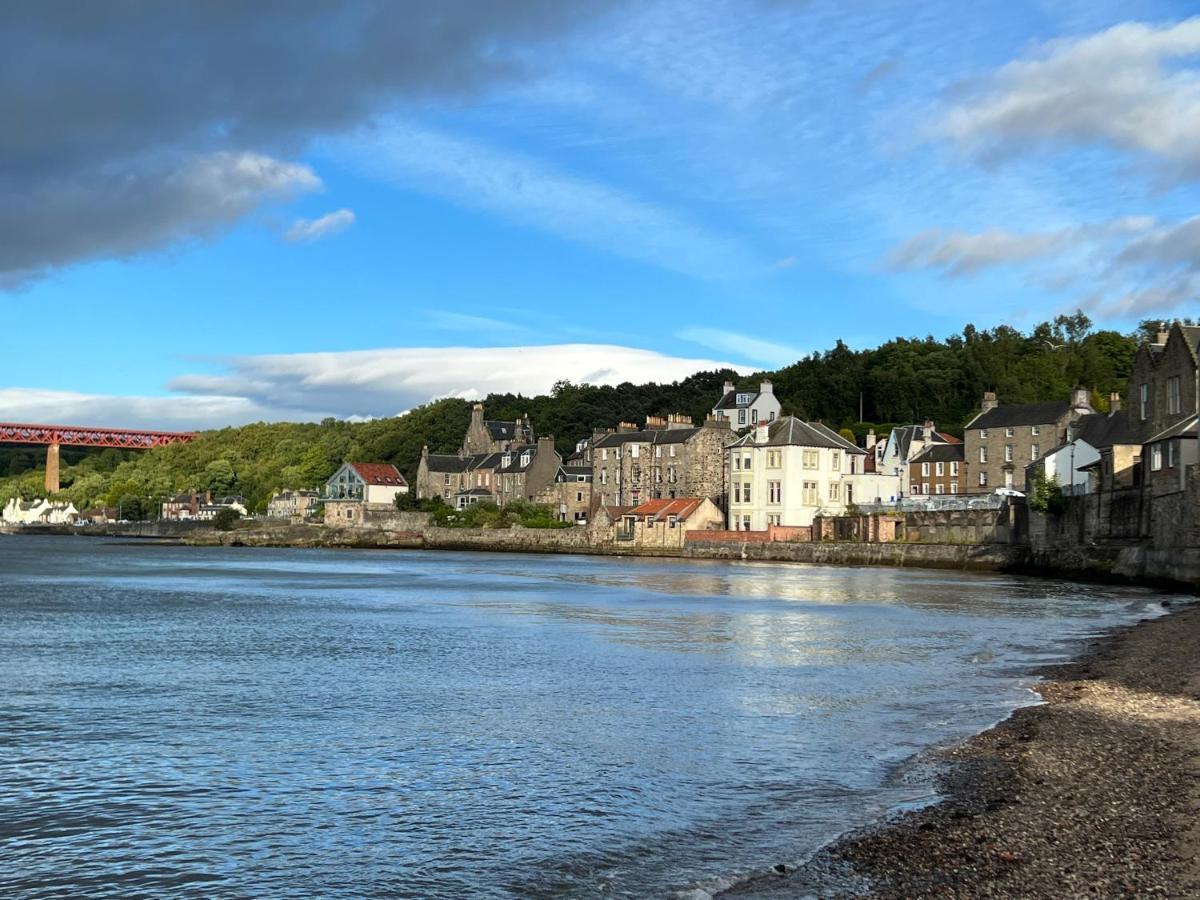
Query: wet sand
{"x": 1093, "y": 794}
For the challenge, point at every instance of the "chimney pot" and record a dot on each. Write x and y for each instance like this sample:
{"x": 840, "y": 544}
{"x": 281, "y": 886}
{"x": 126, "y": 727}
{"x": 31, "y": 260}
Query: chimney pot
{"x": 1161, "y": 337}
{"x": 766, "y": 388}
{"x": 989, "y": 401}
{"x": 728, "y": 387}
{"x": 1114, "y": 402}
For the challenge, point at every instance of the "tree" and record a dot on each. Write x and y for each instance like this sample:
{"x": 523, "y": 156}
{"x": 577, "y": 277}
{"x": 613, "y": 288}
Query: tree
{"x": 226, "y": 518}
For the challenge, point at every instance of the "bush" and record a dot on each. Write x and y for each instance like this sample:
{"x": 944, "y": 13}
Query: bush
{"x": 225, "y": 519}
{"x": 1047, "y": 495}
{"x": 489, "y": 515}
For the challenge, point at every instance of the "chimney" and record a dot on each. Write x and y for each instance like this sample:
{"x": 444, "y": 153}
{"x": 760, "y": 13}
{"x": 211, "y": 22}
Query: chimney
{"x": 927, "y": 431}
{"x": 425, "y": 452}
{"x": 728, "y": 387}
{"x": 989, "y": 401}
{"x": 545, "y": 444}
{"x": 1114, "y": 402}
{"x": 766, "y": 388}
{"x": 717, "y": 422}
{"x": 762, "y": 432}
{"x": 871, "y": 439}
{"x": 1081, "y": 399}
{"x": 655, "y": 423}
{"x": 679, "y": 420}
{"x": 1161, "y": 337}
{"x": 626, "y": 427}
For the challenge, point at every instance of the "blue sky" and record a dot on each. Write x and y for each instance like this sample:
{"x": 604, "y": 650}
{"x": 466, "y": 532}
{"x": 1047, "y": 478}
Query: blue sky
{"x": 350, "y": 214}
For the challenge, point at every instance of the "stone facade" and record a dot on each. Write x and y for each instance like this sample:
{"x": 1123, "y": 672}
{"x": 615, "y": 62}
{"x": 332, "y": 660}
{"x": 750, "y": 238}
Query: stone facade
{"x": 569, "y": 495}
{"x": 494, "y": 436}
{"x": 669, "y": 458}
{"x": 1162, "y": 385}
{"x": 1002, "y": 440}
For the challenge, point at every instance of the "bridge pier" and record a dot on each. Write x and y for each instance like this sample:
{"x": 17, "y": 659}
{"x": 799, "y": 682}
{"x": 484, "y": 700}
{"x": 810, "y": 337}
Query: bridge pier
{"x": 52, "y": 453}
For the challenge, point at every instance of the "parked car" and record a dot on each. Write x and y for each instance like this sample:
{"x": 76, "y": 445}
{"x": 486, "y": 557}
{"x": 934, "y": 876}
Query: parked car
{"x": 1007, "y": 492}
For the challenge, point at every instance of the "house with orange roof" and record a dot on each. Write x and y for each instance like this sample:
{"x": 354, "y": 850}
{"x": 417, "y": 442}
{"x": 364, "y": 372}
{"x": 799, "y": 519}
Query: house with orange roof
{"x": 665, "y": 523}
{"x": 357, "y": 488}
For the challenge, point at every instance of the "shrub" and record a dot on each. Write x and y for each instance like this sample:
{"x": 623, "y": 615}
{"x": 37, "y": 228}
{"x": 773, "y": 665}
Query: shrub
{"x": 225, "y": 519}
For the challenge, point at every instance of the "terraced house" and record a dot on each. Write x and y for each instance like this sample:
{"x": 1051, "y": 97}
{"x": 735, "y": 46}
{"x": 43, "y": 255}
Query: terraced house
{"x": 1165, "y": 400}
{"x": 745, "y": 407}
{"x": 670, "y": 457}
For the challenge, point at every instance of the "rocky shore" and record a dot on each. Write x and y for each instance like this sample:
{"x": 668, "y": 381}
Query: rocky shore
{"x": 1093, "y": 794}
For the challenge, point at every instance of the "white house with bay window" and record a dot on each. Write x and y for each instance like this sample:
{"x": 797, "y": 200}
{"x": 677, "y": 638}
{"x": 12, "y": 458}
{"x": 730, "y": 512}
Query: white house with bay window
{"x": 745, "y": 407}
{"x": 787, "y": 471}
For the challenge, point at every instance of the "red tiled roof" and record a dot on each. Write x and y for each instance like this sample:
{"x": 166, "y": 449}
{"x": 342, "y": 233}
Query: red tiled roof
{"x": 681, "y": 507}
{"x": 379, "y": 473}
{"x": 949, "y": 438}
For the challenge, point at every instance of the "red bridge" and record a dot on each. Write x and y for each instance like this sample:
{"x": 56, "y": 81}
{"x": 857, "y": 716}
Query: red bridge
{"x": 55, "y": 436}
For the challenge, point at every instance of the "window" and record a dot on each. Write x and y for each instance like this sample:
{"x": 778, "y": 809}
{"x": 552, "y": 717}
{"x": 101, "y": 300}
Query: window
{"x": 1144, "y": 402}
{"x": 939, "y": 488}
{"x": 925, "y": 469}
{"x": 743, "y": 399}
{"x": 953, "y": 468}
{"x": 524, "y": 459}
{"x": 672, "y": 521}
{"x": 746, "y": 491}
{"x": 604, "y": 476}
{"x": 1008, "y": 452}
{"x": 658, "y": 452}
{"x": 634, "y": 450}
{"x": 983, "y": 479}
{"x": 774, "y": 520}
{"x": 1035, "y": 450}
{"x": 925, "y": 488}
{"x": 741, "y": 417}
{"x": 1174, "y": 400}
{"x": 774, "y": 492}
{"x": 754, "y": 417}
{"x": 954, "y": 487}
{"x": 737, "y": 461}
{"x": 745, "y": 523}
{"x": 672, "y": 449}
{"x": 774, "y": 458}
{"x": 940, "y": 468}
{"x": 1156, "y": 458}
{"x": 771, "y": 418}
{"x": 836, "y": 460}
{"x": 810, "y": 496}
{"x": 1170, "y": 454}
{"x": 746, "y": 461}
{"x": 1008, "y": 479}
{"x": 579, "y": 496}
{"x": 447, "y": 481}
{"x": 1035, "y": 430}
{"x": 983, "y": 454}
{"x": 604, "y": 453}
{"x": 983, "y": 434}
{"x": 835, "y": 490}
{"x": 810, "y": 459}
{"x": 1008, "y": 432}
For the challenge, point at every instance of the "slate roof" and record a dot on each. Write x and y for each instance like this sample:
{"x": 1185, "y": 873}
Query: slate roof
{"x": 729, "y": 401}
{"x": 654, "y": 436}
{"x": 1021, "y": 414}
{"x": 906, "y": 434}
{"x": 791, "y": 432}
{"x": 446, "y": 462}
{"x": 940, "y": 453}
{"x": 501, "y": 431}
{"x": 1185, "y": 429}
{"x": 475, "y": 492}
{"x": 1106, "y": 429}
{"x": 577, "y": 471}
{"x": 379, "y": 474}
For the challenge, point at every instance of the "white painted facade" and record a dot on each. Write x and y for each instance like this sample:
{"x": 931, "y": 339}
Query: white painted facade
{"x": 787, "y": 472}
{"x": 1063, "y": 464}
{"x": 747, "y": 408}
{"x": 38, "y": 512}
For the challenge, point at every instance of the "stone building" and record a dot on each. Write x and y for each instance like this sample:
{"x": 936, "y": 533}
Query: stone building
{"x": 292, "y": 505}
{"x": 570, "y": 494}
{"x": 745, "y": 407}
{"x": 1162, "y": 384}
{"x": 518, "y": 473}
{"x": 938, "y": 469}
{"x": 1002, "y": 440}
{"x": 669, "y": 458}
{"x": 357, "y": 488}
{"x": 494, "y": 436}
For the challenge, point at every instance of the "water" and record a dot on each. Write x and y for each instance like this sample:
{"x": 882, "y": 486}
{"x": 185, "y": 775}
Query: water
{"x": 234, "y": 722}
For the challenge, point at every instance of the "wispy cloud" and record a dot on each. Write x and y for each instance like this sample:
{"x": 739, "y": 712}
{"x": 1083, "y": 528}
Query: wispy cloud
{"x": 536, "y": 194}
{"x": 1127, "y": 88}
{"x": 309, "y": 230}
{"x": 741, "y": 345}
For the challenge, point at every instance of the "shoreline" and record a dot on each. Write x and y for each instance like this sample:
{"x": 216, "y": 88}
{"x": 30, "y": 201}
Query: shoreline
{"x": 1093, "y": 792}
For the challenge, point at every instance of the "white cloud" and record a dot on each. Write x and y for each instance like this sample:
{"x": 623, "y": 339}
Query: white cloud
{"x": 1127, "y": 88}
{"x": 535, "y": 194}
{"x": 169, "y": 413}
{"x": 309, "y": 230}
{"x": 744, "y": 346}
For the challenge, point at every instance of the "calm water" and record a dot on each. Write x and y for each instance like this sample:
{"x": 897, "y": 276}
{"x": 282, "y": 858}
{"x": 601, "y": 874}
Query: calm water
{"x": 225, "y": 722}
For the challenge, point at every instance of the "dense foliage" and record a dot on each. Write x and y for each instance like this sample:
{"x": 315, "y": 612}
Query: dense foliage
{"x": 489, "y": 515}
{"x": 904, "y": 380}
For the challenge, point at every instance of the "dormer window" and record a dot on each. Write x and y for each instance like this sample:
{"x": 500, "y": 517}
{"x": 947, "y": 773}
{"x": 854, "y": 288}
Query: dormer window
{"x": 506, "y": 461}
{"x": 524, "y": 459}
{"x": 743, "y": 399}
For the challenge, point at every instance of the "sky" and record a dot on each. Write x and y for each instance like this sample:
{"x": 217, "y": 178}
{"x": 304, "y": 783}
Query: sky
{"x": 217, "y": 212}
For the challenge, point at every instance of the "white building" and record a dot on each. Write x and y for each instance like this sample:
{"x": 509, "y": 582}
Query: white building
{"x": 904, "y": 444}
{"x": 788, "y": 471}
{"x": 38, "y": 512}
{"x": 744, "y": 407}
{"x": 366, "y": 483}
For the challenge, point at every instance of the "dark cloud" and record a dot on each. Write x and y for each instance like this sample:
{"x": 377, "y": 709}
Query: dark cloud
{"x": 100, "y": 96}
